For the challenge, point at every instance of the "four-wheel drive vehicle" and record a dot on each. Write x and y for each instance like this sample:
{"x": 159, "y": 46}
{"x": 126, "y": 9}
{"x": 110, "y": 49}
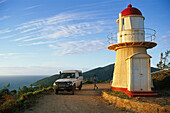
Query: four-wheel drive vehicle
{"x": 69, "y": 80}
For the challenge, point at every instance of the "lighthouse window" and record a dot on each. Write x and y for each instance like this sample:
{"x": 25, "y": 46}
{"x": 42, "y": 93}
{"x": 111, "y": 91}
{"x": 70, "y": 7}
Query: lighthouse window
{"x": 123, "y": 24}
{"x": 118, "y": 25}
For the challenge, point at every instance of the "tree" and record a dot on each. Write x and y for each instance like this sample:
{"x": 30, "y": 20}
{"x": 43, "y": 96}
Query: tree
{"x": 8, "y": 86}
{"x": 31, "y": 85}
{"x": 24, "y": 89}
{"x": 163, "y": 63}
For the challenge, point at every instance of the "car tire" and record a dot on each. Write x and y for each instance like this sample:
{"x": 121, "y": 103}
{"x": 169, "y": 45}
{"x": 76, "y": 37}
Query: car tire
{"x": 73, "y": 89}
{"x": 80, "y": 86}
{"x": 56, "y": 91}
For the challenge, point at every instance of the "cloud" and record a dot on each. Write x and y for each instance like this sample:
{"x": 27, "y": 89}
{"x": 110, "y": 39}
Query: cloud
{"x": 31, "y": 7}
{"x": 15, "y": 55}
{"x": 166, "y": 36}
{"x": 5, "y": 55}
{"x": 72, "y": 30}
{"x": 152, "y": 65}
{"x": 4, "y": 17}
{"x": 63, "y": 26}
{"x": 29, "y": 70}
{"x": 4, "y": 31}
{"x": 78, "y": 47}
{"x": 2, "y": 1}
{"x": 165, "y": 39}
{"x": 34, "y": 70}
{"x": 41, "y": 42}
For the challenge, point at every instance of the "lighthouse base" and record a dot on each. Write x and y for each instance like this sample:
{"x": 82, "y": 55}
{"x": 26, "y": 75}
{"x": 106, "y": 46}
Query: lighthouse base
{"x": 135, "y": 93}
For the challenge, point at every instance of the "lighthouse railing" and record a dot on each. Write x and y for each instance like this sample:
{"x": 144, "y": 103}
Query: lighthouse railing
{"x": 149, "y": 35}
{"x": 112, "y": 38}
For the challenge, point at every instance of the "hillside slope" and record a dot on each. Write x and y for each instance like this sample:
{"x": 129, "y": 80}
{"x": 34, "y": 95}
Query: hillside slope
{"x": 103, "y": 73}
{"x": 48, "y": 81}
{"x": 161, "y": 80}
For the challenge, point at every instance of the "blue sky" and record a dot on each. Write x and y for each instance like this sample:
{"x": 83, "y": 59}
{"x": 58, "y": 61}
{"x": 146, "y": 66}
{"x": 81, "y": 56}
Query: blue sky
{"x": 41, "y": 37}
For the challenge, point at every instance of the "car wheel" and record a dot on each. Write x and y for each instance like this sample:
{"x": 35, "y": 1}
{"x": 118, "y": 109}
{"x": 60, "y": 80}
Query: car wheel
{"x": 80, "y": 86}
{"x": 73, "y": 89}
{"x": 56, "y": 91}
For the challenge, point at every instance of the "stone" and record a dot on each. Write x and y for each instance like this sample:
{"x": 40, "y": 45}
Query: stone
{"x": 162, "y": 110}
{"x": 167, "y": 107}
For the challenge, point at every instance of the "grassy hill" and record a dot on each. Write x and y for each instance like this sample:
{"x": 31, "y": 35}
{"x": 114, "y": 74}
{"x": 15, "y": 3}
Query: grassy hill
{"x": 161, "y": 80}
{"x": 103, "y": 73}
{"x": 48, "y": 81}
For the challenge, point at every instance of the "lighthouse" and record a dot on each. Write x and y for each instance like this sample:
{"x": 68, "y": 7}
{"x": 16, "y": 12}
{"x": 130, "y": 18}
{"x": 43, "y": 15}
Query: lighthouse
{"x": 132, "y": 74}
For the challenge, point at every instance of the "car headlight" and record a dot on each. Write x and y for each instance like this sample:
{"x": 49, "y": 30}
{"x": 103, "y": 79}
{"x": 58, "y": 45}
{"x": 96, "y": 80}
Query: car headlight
{"x": 69, "y": 83}
{"x": 55, "y": 83}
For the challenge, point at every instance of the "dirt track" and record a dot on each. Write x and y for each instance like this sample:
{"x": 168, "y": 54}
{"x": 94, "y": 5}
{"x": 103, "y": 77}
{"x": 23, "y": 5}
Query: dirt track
{"x": 85, "y": 101}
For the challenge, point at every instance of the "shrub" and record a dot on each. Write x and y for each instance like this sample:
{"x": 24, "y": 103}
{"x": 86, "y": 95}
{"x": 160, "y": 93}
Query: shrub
{"x": 13, "y": 92}
{"x": 161, "y": 80}
{"x": 28, "y": 94}
{"x": 37, "y": 92}
{"x": 118, "y": 93}
{"x": 8, "y": 106}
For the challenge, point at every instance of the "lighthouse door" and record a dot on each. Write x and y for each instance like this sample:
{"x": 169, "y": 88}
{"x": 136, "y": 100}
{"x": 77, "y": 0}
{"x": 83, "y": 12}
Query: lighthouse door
{"x": 140, "y": 73}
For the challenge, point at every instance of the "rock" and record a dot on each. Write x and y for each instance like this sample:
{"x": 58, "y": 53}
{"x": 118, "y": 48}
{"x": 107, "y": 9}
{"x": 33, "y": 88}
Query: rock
{"x": 167, "y": 107}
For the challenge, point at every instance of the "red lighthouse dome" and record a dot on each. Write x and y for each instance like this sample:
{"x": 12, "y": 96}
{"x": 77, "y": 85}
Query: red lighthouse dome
{"x": 131, "y": 11}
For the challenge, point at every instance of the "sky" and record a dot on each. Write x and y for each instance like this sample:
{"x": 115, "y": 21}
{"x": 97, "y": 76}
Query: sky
{"x": 42, "y": 37}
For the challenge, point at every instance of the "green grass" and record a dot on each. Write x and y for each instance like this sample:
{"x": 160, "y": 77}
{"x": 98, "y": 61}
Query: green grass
{"x": 118, "y": 94}
{"x": 22, "y": 101}
{"x": 161, "y": 80}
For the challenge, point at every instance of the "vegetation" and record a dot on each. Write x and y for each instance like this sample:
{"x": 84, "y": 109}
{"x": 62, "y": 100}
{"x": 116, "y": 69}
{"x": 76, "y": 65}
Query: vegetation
{"x": 163, "y": 63}
{"x": 103, "y": 73}
{"x": 161, "y": 80}
{"x": 11, "y": 101}
{"x": 46, "y": 82}
{"x": 118, "y": 94}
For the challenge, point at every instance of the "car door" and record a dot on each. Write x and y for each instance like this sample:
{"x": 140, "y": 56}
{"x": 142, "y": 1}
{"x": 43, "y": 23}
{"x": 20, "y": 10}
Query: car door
{"x": 77, "y": 79}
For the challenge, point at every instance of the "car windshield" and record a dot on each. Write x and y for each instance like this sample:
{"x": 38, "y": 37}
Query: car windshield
{"x": 67, "y": 75}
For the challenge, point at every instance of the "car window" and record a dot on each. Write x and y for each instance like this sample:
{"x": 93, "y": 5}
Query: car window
{"x": 67, "y": 75}
{"x": 77, "y": 75}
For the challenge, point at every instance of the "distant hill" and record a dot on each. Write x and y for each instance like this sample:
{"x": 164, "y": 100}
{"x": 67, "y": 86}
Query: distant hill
{"x": 103, "y": 73}
{"x": 48, "y": 81}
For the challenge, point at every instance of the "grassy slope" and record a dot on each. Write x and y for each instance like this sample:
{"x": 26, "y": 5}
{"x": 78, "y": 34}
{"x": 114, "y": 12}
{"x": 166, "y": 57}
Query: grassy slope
{"x": 48, "y": 81}
{"x": 103, "y": 73}
{"x": 161, "y": 80}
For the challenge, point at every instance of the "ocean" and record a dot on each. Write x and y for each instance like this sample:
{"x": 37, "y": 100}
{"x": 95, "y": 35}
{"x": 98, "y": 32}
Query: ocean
{"x": 18, "y": 81}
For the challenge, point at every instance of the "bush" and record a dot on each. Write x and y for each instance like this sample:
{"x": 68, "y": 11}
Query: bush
{"x": 12, "y": 100}
{"x": 37, "y": 92}
{"x": 29, "y": 94}
{"x": 13, "y": 92}
{"x": 8, "y": 106}
{"x": 118, "y": 93}
{"x": 161, "y": 80}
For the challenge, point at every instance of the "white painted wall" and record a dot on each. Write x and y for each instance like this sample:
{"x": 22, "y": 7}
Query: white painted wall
{"x": 138, "y": 72}
{"x": 130, "y": 29}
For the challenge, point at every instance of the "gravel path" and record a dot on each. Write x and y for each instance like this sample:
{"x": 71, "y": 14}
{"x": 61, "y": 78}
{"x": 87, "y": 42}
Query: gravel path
{"x": 85, "y": 101}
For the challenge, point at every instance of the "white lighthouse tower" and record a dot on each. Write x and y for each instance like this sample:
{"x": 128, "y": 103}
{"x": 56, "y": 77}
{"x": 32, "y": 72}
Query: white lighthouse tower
{"x": 132, "y": 73}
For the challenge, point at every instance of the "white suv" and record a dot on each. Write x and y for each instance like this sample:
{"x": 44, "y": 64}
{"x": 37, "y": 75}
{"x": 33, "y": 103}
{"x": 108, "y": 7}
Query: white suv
{"x": 69, "y": 80}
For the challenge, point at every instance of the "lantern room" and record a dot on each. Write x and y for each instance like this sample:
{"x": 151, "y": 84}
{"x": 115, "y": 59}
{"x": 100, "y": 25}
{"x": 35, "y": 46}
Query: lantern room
{"x": 130, "y": 25}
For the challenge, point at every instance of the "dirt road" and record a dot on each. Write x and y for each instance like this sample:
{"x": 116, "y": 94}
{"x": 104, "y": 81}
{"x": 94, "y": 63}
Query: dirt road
{"x": 85, "y": 101}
